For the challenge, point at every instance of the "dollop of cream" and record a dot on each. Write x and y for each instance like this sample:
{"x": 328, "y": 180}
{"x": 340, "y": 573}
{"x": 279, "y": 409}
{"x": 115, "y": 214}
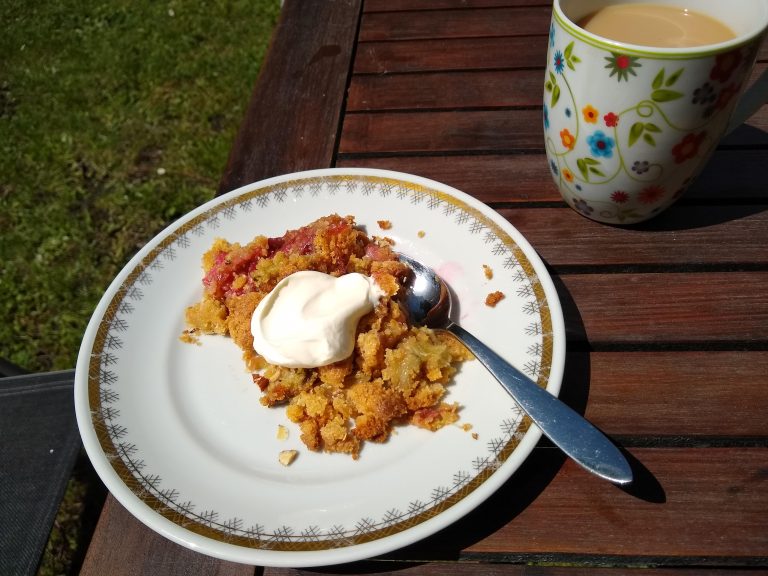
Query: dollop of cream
{"x": 310, "y": 318}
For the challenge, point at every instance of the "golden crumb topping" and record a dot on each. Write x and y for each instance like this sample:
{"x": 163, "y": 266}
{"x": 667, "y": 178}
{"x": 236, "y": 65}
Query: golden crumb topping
{"x": 396, "y": 374}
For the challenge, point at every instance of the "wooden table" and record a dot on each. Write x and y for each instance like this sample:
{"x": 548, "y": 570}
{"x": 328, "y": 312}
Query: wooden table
{"x": 667, "y": 322}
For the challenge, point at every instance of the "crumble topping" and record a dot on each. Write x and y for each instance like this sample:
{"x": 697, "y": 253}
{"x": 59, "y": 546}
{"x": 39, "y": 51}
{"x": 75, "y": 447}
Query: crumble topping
{"x": 397, "y": 373}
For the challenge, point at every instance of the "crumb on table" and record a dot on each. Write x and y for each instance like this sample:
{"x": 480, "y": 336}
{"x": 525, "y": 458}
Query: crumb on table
{"x": 421, "y": 233}
{"x": 494, "y": 298}
{"x": 384, "y": 224}
{"x": 488, "y": 271}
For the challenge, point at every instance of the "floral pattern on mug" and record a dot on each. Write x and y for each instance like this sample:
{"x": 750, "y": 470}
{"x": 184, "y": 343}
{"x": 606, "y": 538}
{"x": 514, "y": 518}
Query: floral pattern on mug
{"x": 623, "y": 148}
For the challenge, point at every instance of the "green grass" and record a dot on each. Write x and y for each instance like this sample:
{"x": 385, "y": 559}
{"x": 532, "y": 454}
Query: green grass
{"x": 115, "y": 119}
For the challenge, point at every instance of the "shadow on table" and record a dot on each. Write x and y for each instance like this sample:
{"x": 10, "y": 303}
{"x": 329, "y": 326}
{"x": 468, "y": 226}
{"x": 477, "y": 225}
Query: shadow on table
{"x": 575, "y": 393}
{"x": 528, "y": 482}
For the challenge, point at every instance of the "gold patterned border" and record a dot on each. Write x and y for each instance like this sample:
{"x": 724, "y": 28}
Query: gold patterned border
{"x": 162, "y": 502}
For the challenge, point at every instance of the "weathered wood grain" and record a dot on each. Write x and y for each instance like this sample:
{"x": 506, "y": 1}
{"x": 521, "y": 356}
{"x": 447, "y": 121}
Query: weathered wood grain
{"x": 293, "y": 116}
{"x": 451, "y": 54}
{"x": 731, "y": 176}
{"x": 706, "y": 310}
{"x": 465, "y": 23}
{"x": 689, "y": 506}
{"x": 123, "y": 546}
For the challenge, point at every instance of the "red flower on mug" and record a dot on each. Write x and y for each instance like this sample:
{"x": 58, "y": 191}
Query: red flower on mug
{"x": 724, "y": 66}
{"x": 611, "y": 120}
{"x": 688, "y": 147}
{"x": 622, "y": 65}
{"x": 726, "y": 94}
{"x": 651, "y": 195}
{"x": 620, "y": 197}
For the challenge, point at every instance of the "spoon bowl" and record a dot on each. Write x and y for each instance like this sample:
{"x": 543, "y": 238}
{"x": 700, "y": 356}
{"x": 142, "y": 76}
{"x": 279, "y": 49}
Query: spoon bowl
{"x": 427, "y": 300}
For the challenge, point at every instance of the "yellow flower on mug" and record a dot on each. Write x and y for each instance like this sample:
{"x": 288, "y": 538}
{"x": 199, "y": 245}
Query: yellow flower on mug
{"x": 568, "y": 175}
{"x": 590, "y": 114}
{"x": 568, "y": 140}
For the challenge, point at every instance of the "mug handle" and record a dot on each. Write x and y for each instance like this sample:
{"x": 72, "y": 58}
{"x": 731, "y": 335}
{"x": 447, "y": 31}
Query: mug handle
{"x": 750, "y": 101}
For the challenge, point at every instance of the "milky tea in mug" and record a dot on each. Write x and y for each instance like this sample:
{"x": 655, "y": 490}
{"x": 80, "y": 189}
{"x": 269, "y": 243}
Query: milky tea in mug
{"x": 637, "y": 96}
{"x": 656, "y": 25}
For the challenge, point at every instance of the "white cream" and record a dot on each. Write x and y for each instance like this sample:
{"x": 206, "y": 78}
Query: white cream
{"x": 309, "y": 319}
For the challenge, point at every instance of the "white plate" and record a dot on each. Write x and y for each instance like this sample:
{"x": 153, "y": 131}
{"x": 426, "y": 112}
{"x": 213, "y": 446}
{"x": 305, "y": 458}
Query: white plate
{"x": 178, "y": 435}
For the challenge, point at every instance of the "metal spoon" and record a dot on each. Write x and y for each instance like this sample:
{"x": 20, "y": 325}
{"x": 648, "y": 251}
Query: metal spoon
{"x": 428, "y": 302}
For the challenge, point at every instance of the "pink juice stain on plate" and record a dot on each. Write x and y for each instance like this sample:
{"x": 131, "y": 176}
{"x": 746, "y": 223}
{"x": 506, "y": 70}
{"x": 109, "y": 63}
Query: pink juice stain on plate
{"x": 452, "y": 274}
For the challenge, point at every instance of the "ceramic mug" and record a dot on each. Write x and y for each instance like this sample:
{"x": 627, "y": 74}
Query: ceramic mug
{"x": 627, "y": 128}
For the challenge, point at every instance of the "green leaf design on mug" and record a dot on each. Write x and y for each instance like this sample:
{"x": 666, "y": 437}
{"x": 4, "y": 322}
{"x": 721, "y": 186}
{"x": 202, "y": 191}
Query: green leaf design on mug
{"x": 658, "y": 81}
{"x": 663, "y": 95}
{"x": 635, "y": 132}
{"x": 555, "y": 95}
{"x": 552, "y": 87}
{"x": 672, "y": 79}
{"x": 644, "y": 129}
{"x": 570, "y": 59}
{"x": 589, "y": 166}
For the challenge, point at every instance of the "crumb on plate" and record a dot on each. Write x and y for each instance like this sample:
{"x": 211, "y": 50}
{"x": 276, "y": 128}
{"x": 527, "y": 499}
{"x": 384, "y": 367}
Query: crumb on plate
{"x": 287, "y": 457}
{"x": 494, "y": 298}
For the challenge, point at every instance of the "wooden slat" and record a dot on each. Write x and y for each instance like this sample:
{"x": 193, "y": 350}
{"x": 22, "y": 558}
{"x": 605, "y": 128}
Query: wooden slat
{"x": 687, "y": 506}
{"x": 510, "y": 178}
{"x": 704, "y": 309}
{"x": 441, "y": 132}
{"x": 446, "y": 90}
{"x": 417, "y": 24}
{"x": 451, "y": 54}
{"x": 457, "y": 54}
{"x": 486, "y": 131}
{"x": 731, "y": 175}
{"x": 407, "y": 5}
{"x": 456, "y": 89}
{"x": 712, "y": 235}
{"x": 123, "y": 546}
{"x": 712, "y": 395}
{"x": 293, "y": 116}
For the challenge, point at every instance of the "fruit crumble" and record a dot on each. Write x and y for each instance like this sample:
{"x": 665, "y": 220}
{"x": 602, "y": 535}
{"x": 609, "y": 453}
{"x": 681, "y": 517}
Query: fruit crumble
{"x": 396, "y": 374}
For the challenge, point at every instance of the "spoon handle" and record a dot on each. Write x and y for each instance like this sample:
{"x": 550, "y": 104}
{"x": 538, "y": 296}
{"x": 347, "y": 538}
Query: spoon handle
{"x": 567, "y": 429}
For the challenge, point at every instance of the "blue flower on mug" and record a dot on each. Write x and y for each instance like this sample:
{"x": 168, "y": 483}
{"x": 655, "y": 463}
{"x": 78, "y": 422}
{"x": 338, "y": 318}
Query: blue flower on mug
{"x": 559, "y": 62}
{"x": 546, "y": 117}
{"x": 552, "y": 34}
{"x": 553, "y": 167}
{"x": 601, "y": 145}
